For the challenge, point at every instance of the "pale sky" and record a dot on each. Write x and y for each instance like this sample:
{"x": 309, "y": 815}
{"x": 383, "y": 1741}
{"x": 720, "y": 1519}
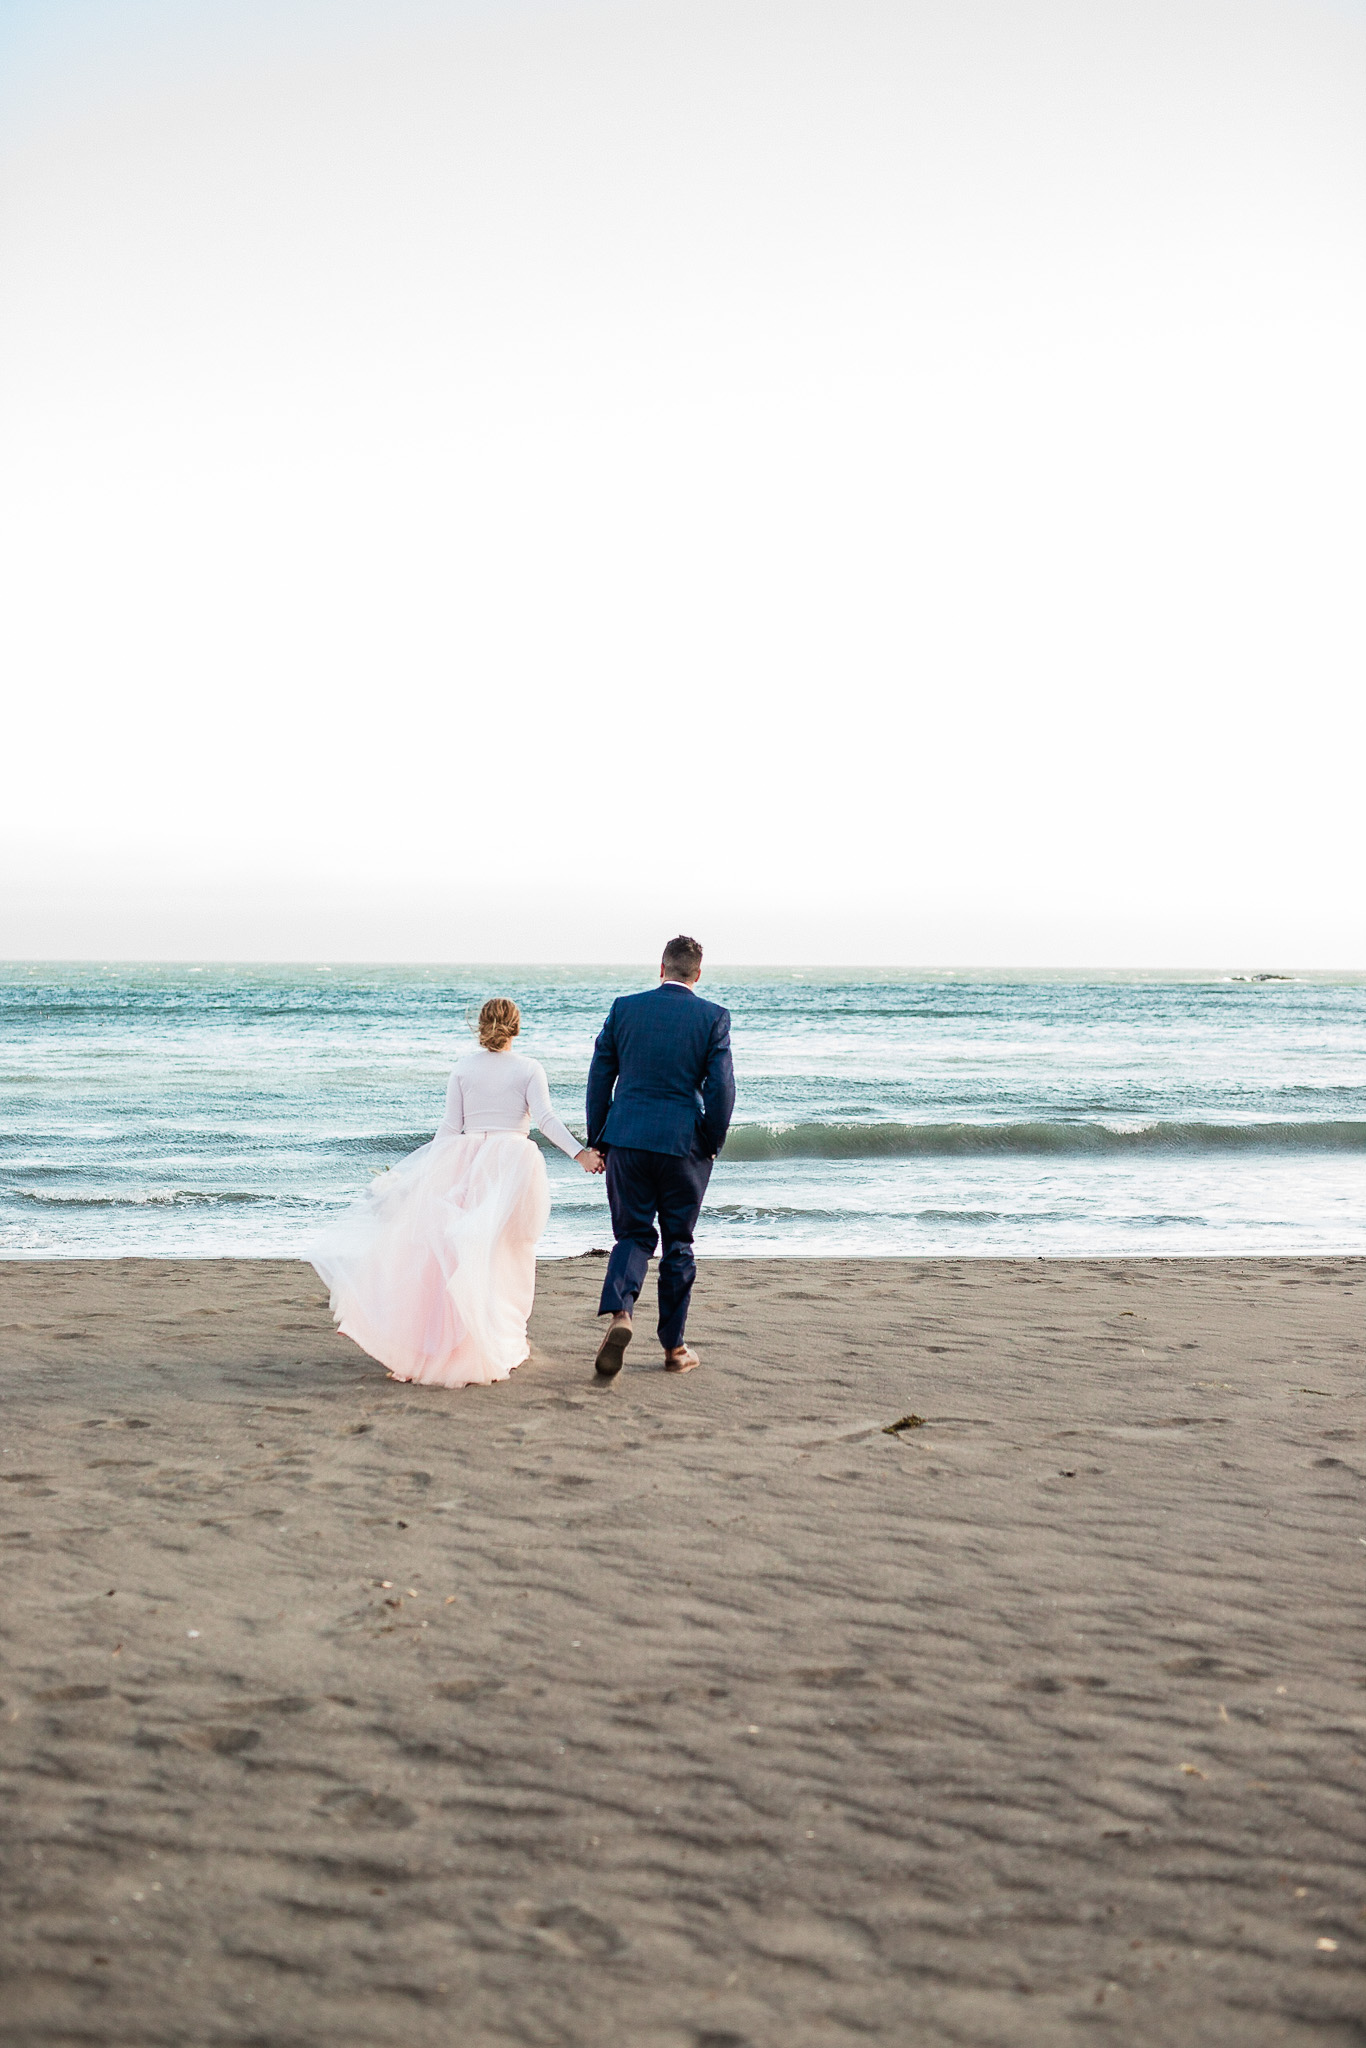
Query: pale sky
{"x": 861, "y": 480}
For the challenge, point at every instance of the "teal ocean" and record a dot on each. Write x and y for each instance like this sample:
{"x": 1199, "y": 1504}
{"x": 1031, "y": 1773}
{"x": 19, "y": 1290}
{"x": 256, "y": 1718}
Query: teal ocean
{"x": 197, "y": 1111}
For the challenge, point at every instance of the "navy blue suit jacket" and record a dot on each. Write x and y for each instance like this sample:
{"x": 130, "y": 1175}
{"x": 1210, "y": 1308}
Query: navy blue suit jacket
{"x": 668, "y": 1053}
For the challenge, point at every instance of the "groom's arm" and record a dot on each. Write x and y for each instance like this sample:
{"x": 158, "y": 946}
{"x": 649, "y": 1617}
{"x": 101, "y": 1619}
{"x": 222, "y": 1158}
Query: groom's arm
{"x": 718, "y": 1087}
{"x": 602, "y": 1073}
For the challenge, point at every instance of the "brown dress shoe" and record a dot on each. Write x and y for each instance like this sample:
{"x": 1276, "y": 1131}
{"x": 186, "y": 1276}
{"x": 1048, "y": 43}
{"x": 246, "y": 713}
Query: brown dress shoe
{"x": 612, "y": 1349}
{"x": 681, "y": 1360}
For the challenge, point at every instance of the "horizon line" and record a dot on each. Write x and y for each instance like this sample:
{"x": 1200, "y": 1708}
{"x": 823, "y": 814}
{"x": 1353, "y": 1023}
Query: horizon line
{"x": 336, "y": 963}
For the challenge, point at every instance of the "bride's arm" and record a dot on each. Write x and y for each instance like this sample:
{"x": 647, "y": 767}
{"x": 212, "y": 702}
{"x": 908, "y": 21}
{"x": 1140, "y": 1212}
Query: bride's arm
{"x": 545, "y": 1119}
{"x": 453, "y": 1123}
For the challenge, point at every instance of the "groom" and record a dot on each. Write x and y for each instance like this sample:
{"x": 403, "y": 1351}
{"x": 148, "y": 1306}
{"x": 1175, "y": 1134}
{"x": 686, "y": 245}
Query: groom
{"x": 668, "y": 1054}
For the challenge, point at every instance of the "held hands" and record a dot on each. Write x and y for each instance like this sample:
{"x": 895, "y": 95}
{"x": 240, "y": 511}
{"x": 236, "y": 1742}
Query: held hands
{"x": 591, "y": 1160}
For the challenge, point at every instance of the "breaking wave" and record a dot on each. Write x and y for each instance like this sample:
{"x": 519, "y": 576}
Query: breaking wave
{"x": 752, "y": 1142}
{"x": 171, "y": 1198}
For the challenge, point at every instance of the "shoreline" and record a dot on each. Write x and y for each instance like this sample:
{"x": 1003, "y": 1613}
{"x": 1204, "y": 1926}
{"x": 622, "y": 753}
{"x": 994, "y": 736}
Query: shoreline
{"x": 47, "y": 1260}
{"x": 701, "y": 1710}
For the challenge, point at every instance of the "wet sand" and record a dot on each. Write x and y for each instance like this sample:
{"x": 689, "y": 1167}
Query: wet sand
{"x": 689, "y": 1713}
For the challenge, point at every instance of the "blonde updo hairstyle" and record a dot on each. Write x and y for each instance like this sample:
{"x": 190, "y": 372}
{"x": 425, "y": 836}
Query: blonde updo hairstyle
{"x": 500, "y": 1020}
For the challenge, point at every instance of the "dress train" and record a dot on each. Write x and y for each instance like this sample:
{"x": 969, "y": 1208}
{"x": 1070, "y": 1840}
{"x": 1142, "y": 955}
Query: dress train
{"x": 433, "y": 1271}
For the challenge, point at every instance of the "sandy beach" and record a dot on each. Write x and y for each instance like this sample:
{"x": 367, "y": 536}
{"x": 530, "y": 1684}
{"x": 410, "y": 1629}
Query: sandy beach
{"x": 697, "y": 1713}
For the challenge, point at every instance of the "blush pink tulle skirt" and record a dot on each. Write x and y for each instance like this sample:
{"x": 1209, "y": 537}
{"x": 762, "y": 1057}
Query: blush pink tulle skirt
{"x": 433, "y": 1271}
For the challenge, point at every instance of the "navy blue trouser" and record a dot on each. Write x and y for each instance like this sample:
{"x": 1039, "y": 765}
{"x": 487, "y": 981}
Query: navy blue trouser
{"x": 641, "y": 1186}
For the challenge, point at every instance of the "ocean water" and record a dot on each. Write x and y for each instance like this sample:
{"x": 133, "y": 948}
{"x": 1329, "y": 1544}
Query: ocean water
{"x": 194, "y": 1111}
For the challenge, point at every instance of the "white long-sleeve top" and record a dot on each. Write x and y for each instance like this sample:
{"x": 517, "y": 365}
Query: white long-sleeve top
{"x": 502, "y": 1091}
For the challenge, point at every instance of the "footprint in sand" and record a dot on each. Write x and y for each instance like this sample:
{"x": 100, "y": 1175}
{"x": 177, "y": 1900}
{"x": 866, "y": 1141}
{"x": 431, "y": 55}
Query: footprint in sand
{"x": 219, "y": 1741}
{"x": 367, "y": 1809}
{"x": 565, "y": 1929}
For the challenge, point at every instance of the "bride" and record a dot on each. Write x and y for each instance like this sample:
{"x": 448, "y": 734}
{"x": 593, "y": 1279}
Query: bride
{"x": 433, "y": 1271}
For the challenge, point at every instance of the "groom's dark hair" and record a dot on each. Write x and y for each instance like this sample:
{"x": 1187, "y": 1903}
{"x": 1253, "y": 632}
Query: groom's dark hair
{"x": 682, "y": 959}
